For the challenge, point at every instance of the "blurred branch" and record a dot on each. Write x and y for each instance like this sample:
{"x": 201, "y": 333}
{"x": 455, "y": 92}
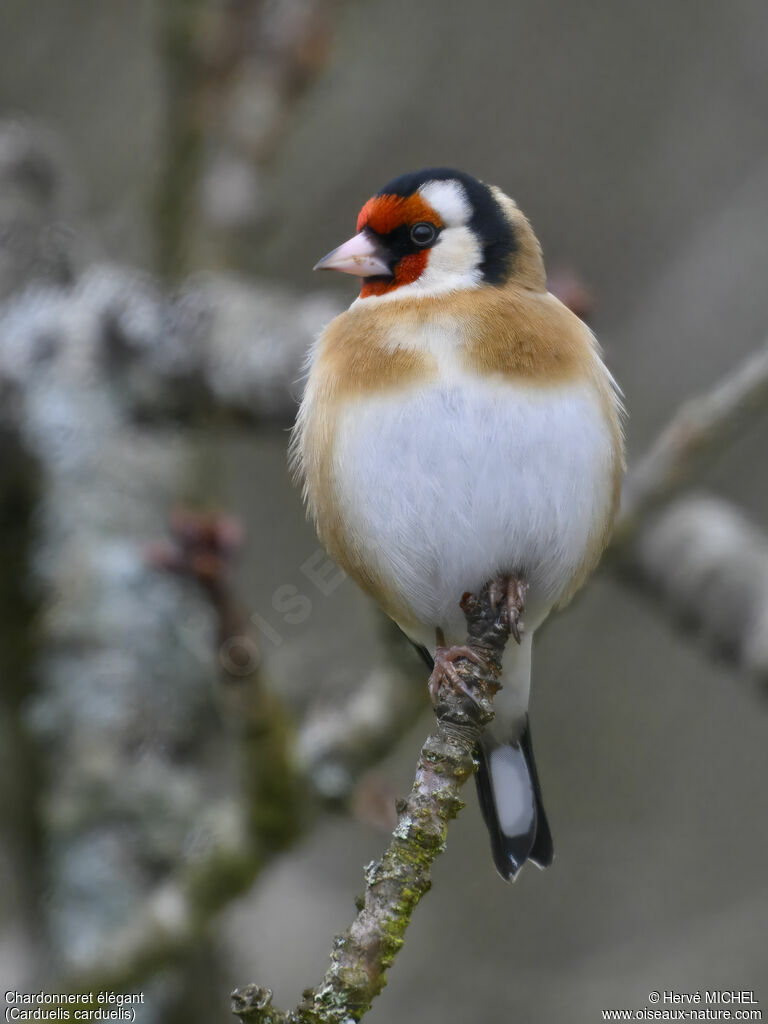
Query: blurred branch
{"x": 181, "y": 22}
{"x": 339, "y": 739}
{"x": 219, "y": 348}
{"x": 701, "y": 556}
{"x": 169, "y": 923}
{"x": 173, "y": 920}
{"x": 396, "y": 883}
{"x": 218, "y": 351}
{"x": 279, "y": 773}
{"x": 234, "y": 72}
{"x": 702, "y": 429}
{"x": 122, "y": 656}
{"x": 278, "y": 779}
{"x": 709, "y": 566}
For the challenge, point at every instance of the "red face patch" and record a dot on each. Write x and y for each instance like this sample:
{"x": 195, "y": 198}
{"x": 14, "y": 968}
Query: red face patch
{"x": 383, "y": 214}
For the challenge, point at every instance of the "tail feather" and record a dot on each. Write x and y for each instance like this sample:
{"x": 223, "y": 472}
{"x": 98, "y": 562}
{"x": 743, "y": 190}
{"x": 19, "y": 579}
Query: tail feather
{"x": 510, "y": 801}
{"x": 543, "y": 851}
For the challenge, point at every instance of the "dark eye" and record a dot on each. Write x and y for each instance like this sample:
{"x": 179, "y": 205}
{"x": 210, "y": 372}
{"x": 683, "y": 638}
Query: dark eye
{"x": 423, "y": 233}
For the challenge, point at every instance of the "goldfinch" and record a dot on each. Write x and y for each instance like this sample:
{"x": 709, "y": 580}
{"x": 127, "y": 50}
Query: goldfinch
{"x": 459, "y": 425}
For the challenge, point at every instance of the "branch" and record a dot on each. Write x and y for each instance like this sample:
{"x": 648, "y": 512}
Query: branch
{"x": 709, "y": 565}
{"x": 396, "y": 883}
{"x": 702, "y": 557}
{"x": 341, "y": 737}
{"x": 702, "y": 429}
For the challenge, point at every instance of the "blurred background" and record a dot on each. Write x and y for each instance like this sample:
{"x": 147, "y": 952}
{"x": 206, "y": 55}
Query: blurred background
{"x": 188, "y": 789}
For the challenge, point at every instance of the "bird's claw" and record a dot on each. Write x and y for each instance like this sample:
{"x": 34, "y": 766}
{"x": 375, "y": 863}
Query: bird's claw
{"x": 445, "y": 671}
{"x": 509, "y": 593}
{"x": 507, "y": 597}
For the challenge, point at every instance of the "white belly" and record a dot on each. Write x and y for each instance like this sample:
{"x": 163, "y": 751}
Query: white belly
{"x": 447, "y": 488}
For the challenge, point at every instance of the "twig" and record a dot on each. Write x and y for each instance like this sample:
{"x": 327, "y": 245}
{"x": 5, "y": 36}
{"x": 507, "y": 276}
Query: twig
{"x": 701, "y": 430}
{"x": 396, "y": 883}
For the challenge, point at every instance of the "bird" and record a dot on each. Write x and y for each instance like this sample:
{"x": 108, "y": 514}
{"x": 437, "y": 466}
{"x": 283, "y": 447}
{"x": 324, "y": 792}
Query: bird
{"x": 458, "y": 425}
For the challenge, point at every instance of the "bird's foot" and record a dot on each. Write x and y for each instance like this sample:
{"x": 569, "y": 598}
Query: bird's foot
{"x": 509, "y": 592}
{"x": 445, "y": 672}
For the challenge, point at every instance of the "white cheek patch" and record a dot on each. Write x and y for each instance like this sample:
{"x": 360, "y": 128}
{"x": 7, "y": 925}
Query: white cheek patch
{"x": 454, "y": 262}
{"x": 456, "y": 252}
{"x": 448, "y": 200}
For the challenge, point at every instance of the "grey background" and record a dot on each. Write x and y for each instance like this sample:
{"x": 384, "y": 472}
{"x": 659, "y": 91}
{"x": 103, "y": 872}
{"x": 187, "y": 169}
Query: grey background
{"x": 635, "y": 136}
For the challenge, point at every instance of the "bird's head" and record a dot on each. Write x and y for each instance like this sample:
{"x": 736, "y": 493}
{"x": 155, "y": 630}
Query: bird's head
{"x": 438, "y": 230}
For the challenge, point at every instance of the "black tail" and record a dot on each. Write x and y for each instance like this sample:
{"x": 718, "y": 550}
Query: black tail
{"x": 510, "y": 799}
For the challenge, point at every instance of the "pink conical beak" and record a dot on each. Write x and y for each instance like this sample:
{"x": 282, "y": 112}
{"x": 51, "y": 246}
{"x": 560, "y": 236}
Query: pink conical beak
{"x": 361, "y": 255}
